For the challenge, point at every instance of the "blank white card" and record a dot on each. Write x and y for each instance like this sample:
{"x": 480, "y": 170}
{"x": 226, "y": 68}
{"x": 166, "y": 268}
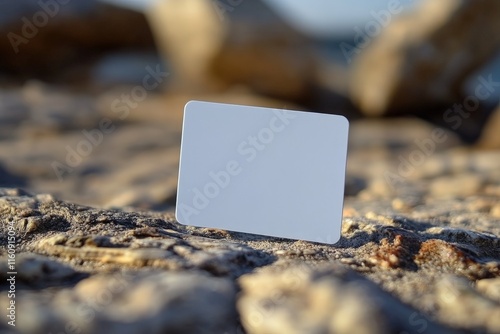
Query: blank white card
{"x": 273, "y": 172}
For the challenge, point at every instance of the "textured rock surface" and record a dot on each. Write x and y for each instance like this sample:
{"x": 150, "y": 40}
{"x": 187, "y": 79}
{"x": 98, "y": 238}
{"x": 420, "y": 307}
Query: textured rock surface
{"x": 93, "y": 238}
{"x": 423, "y": 60}
{"x": 461, "y": 304}
{"x": 150, "y": 302}
{"x": 419, "y": 266}
{"x": 490, "y": 288}
{"x": 37, "y": 271}
{"x": 292, "y": 298}
{"x": 419, "y": 251}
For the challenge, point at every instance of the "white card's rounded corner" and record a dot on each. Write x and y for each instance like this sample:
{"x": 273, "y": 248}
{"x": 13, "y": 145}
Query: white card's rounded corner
{"x": 328, "y": 239}
{"x": 344, "y": 120}
{"x": 190, "y": 103}
{"x": 177, "y": 218}
{"x": 332, "y": 240}
{"x": 336, "y": 239}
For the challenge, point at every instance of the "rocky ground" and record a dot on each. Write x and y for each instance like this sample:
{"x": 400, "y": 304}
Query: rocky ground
{"x": 88, "y": 173}
{"x": 419, "y": 251}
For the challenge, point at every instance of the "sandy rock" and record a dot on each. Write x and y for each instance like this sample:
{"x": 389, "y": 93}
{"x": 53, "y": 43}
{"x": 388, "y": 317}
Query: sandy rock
{"x": 214, "y": 43}
{"x": 422, "y": 60}
{"x": 331, "y": 299}
{"x": 13, "y": 111}
{"x": 495, "y": 211}
{"x": 38, "y": 270}
{"x": 455, "y": 299}
{"x": 406, "y": 255}
{"x": 490, "y": 138}
{"x": 150, "y": 302}
{"x": 459, "y": 185}
{"x": 490, "y": 287}
{"x": 40, "y": 110}
{"x": 117, "y": 239}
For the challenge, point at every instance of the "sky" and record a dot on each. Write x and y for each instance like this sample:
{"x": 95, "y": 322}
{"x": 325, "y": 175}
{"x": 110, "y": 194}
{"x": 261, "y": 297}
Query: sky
{"x": 317, "y": 17}
{"x": 324, "y": 16}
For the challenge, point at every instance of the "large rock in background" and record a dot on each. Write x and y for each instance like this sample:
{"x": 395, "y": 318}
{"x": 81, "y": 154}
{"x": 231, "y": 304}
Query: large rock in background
{"x": 61, "y": 39}
{"x": 490, "y": 138}
{"x": 213, "y": 44}
{"x": 422, "y": 60}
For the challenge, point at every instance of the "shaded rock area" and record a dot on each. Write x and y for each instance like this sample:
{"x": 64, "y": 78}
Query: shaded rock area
{"x": 47, "y": 38}
{"x": 421, "y": 61}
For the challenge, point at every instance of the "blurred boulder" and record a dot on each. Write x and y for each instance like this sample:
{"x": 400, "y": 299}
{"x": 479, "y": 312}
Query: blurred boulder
{"x": 490, "y": 138}
{"x": 422, "y": 60}
{"x": 215, "y": 44}
{"x": 61, "y": 38}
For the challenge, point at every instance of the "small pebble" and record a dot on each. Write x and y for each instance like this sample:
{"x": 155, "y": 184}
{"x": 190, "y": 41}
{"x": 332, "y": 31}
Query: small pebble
{"x": 309, "y": 252}
{"x": 495, "y": 211}
{"x": 461, "y": 185}
{"x": 490, "y": 288}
